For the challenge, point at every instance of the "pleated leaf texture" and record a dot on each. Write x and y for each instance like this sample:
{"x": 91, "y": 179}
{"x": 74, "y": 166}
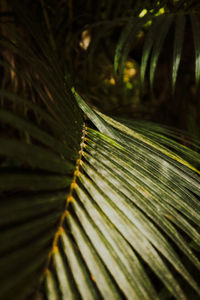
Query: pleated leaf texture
{"x": 91, "y": 207}
{"x": 95, "y": 220}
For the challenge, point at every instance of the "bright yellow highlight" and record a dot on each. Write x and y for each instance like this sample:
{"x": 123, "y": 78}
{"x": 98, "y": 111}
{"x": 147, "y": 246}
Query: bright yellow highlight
{"x": 143, "y": 13}
{"x": 129, "y": 71}
{"x": 160, "y": 12}
{"x": 112, "y": 81}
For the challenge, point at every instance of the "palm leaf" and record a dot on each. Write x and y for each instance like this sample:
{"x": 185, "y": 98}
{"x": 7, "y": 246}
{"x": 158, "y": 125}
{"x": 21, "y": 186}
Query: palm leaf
{"x": 161, "y": 35}
{"x": 114, "y": 220}
{"x": 155, "y": 39}
{"x": 148, "y": 47}
{"x": 90, "y": 209}
{"x": 123, "y": 39}
{"x": 178, "y": 43}
{"x": 196, "y": 29}
{"x": 127, "y": 38}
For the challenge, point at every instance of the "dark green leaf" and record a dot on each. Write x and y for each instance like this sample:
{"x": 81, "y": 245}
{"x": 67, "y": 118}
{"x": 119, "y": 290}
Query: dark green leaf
{"x": 196, "y": 30}
{"x": 159, "y": 41}
{"x": 178, "y": 44}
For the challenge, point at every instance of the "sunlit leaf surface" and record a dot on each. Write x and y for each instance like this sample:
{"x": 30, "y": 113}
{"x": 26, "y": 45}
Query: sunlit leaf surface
{"x": 93, "y": 207}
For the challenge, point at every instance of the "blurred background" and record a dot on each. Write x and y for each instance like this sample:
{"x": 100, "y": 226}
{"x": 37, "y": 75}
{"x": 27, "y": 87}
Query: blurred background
{"x": 87, "y": 37}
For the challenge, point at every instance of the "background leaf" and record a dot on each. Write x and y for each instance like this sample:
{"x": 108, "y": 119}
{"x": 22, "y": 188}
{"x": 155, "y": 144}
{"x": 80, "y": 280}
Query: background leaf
{"x": 178, "y": 44}
{"x": 195, "y": 28}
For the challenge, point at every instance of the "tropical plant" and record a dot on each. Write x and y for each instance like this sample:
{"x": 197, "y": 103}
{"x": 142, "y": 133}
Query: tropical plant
{"x": 93, "y": 206}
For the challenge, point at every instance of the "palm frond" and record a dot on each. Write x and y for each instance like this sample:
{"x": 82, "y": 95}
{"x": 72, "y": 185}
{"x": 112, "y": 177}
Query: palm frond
{"x": 196, "y": 28}
{"x": 128, "y": 35}
{"x": 160, "y": 37}
{"x": 109, "y": 20}
{"x": 124, "y": 211}
{"x": 92, "y": 207}
{"x": 39, "y": 148}
{"x": 113, "y": 178}
{"x": 178, "y": 44}
{"x": 154, "y": 42}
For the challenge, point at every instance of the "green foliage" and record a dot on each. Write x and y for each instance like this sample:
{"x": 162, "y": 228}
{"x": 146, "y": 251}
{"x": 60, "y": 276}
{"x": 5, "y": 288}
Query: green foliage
{"x": 93, "y": 206}
{"x": 178, "y": 44}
